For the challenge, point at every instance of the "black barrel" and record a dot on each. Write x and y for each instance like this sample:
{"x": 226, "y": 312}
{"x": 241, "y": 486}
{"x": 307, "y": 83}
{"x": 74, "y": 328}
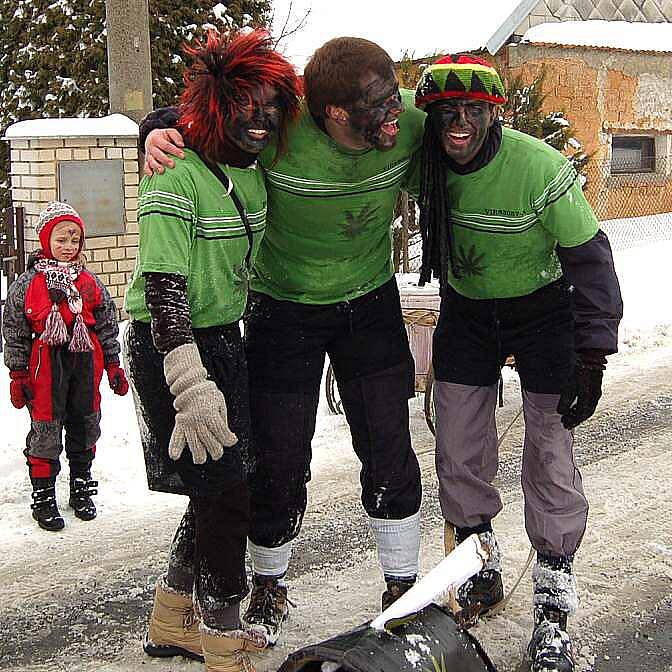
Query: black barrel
{"x": 429, "y": 641}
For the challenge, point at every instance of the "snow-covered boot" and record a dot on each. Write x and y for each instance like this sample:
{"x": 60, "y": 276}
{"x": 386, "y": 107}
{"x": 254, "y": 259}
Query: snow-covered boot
{"x": 226, "y": 650}
{"x": 173, "y": 626}
{"x": 483, "y": 591}
{"x": 555, "y": 597}
{"x": 550, "y": 649}
{"x": 81, "y": 490}
{"x": 395, "y": 589}
{"x": 45, "y": 509}
{"x": 268, "y": 608}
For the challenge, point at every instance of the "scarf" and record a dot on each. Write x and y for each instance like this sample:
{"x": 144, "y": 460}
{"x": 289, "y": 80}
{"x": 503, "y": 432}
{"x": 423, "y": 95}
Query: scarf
{"x": 60, "y": 277}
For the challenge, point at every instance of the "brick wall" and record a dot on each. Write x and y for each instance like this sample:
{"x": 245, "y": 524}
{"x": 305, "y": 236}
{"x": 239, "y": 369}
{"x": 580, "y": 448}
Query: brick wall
{"x": 34, "y": 181}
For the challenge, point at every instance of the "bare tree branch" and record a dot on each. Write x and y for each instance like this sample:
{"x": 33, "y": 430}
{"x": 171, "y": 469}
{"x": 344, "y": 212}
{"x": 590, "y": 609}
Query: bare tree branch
{"x": 288, "y": 30}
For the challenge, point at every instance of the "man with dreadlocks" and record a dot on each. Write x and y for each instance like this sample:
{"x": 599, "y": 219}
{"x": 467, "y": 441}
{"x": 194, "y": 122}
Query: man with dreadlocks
{"x": 200, "y": 229}
{"x": 324, "y": 283}
{"x": 524, "y": 271}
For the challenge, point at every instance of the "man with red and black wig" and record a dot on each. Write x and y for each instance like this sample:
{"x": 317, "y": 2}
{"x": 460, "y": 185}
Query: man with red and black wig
{"x": 323, "y": 283}
{"x": 200, "y": 228}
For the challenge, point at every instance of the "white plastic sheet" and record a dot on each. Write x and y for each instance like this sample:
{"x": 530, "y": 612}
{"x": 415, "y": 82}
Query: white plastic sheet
{"x": 465, "y": 561}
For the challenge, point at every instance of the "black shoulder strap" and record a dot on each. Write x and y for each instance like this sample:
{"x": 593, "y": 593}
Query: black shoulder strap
{"x": 227, "y": 182}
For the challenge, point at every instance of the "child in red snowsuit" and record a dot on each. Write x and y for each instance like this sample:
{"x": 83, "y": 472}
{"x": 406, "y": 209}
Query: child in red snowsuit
{"x": 60, "y": 330}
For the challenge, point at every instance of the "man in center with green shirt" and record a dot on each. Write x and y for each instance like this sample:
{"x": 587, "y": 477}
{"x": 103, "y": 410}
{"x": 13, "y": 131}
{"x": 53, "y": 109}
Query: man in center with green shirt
{"x": 324, "y": 284}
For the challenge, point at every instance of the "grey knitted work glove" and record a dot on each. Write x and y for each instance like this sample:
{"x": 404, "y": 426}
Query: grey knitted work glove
{"x": 201, "y": 421}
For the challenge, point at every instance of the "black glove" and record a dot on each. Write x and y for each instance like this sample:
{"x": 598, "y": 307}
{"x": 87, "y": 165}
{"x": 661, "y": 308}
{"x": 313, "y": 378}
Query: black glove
{"x": 578, "y": 400}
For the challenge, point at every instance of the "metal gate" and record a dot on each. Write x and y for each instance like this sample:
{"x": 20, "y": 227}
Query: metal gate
{"x": 12, "y": 254}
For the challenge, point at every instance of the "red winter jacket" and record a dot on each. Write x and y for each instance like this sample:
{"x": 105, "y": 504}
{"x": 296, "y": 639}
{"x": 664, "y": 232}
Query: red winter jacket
{"x": 28, "y": 306}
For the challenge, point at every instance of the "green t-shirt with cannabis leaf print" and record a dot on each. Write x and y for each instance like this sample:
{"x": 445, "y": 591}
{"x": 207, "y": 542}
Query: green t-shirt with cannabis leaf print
{"x": 509, "y": 215}
{"x": 328, "y": 236}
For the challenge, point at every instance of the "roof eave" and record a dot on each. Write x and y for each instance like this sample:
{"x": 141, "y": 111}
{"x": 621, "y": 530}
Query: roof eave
{"x": 504, "y": 32}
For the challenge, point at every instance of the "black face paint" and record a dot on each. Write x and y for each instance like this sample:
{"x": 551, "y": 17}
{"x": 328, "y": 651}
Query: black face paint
{"x": 462, "y": 126}
{"x": 256, "y": 120}
{"x": 373, "y": 116}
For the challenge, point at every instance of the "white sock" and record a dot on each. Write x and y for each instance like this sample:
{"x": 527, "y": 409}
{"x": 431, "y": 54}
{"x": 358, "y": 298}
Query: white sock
{"x": 270, "y": 561}
{"x": 398, "y": 543}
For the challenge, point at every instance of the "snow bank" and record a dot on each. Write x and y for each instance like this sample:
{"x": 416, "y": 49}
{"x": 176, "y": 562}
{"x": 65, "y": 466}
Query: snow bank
{"x": 113, "y": 125}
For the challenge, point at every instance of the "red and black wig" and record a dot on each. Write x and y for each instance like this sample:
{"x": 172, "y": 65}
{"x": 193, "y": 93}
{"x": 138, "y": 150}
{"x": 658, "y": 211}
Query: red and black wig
{"x": 221, "y": 79}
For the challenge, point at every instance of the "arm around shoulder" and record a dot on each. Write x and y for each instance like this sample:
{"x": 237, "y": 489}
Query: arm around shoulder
{"x": 163, "y": 117}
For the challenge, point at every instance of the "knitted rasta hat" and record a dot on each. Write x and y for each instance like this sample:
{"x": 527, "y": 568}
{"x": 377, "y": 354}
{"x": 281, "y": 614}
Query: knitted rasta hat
{"x": 459, "y": 76}
{"x": 55, "y": 213}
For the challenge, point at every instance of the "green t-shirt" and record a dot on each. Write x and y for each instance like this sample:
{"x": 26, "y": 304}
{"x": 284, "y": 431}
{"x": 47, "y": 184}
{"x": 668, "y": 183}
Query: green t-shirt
{"x": 329, "y": 213}
{"x": 509, "y": 216}
{"x": 191, "y": 227}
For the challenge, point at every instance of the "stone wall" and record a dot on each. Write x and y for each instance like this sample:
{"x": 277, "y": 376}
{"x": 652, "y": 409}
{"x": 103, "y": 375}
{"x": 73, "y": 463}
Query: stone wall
{"x": 34, "y": 182}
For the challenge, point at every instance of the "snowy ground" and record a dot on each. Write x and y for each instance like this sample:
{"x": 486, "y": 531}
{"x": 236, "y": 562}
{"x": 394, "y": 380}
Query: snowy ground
{"x": 78, "y": 600}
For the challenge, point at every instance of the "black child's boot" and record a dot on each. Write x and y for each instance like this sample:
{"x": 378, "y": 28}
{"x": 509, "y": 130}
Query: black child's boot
{"x": 45, "y": 509}
{"x": 82, "y": 488}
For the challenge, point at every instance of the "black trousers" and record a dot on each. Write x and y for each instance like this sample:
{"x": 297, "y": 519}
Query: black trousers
{"x": 474, "y": 337}
{"x": 366, "y": 341}
{"x": 208, "y": 550}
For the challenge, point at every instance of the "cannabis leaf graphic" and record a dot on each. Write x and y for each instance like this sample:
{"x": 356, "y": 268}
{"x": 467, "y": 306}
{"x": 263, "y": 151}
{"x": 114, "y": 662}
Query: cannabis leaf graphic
{"x": 469, "y": 263}
{"x": 355, "y": 224}
{"x": 438, "y": 665}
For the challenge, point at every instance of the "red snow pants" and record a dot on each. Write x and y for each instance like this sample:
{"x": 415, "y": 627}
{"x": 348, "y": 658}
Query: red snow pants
{"x": 65, "y": 396}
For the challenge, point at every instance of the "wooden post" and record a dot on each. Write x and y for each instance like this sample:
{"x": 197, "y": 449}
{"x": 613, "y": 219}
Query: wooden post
{"x": 20, "y": 220}
{"x": 405, "y": 215}
{"x": 8, "y": 261}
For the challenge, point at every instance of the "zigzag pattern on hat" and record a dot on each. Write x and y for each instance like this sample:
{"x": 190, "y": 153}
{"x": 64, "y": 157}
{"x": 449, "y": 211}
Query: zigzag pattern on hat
{"x": 459, "y": 76}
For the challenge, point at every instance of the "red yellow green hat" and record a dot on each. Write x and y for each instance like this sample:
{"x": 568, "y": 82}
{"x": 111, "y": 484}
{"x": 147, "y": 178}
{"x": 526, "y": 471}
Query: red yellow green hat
{"x": 459, "y": 76}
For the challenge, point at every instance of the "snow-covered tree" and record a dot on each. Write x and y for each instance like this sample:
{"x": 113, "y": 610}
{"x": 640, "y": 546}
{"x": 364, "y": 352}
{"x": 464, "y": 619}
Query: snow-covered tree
{"x": 173, "y": 22}
{"x": 53, "y": 59}
{"x": 524, "y": 112}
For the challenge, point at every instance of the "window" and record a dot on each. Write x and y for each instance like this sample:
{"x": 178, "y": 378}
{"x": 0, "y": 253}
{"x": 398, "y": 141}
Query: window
{"x": 633, "y": 154}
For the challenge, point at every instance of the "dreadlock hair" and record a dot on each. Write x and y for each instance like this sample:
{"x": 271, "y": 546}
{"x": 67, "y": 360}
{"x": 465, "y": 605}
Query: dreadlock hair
{"x": 435, "y": 221}
{"x": 226, "y": 71}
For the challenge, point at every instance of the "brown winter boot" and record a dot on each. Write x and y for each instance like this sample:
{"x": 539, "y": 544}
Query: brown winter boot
{"x": 173, "y": 626}
{"x": 226, "y": 650}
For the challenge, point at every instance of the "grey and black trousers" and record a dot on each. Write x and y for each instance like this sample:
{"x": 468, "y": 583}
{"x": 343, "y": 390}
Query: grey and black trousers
{"x": 471, "y": 343}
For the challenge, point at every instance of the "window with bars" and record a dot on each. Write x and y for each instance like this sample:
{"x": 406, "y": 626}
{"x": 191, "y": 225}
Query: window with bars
{"x": 633, "y": 154}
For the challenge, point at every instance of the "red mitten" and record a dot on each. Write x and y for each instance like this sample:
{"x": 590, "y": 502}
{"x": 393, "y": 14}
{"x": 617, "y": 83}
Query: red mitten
{"x": 20, "y": 390}
{"x": 117, "y": 378}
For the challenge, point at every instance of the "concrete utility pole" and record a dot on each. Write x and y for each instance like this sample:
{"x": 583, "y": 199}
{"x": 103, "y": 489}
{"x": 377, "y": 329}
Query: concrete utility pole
{"x": 129, "y": 63}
